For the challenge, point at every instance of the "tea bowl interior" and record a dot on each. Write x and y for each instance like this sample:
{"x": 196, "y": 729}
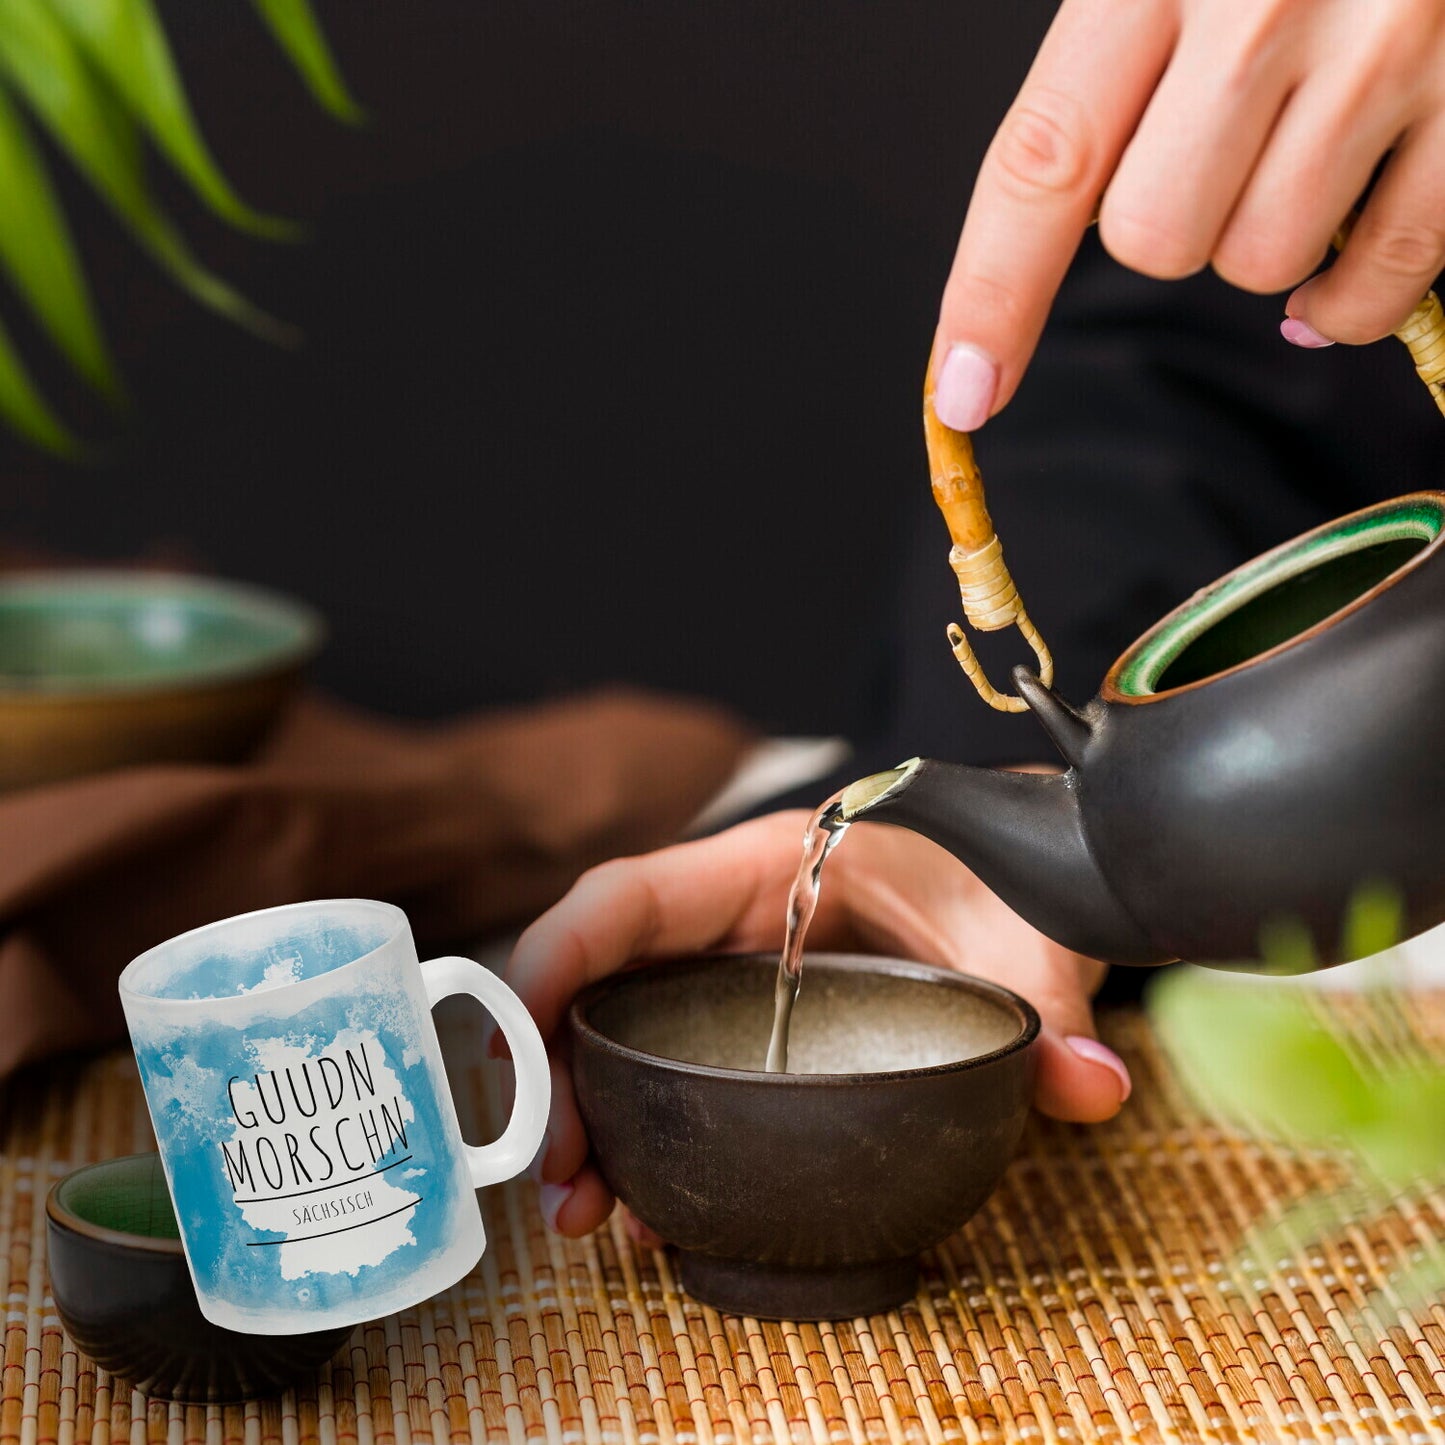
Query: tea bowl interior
{"x": 847, "y": 1020}
{"x": 805, "y": 1195}
{"x": 83, "y": 632}
{"x": 123, "y": 1292}
{"x": 104, "y": 669}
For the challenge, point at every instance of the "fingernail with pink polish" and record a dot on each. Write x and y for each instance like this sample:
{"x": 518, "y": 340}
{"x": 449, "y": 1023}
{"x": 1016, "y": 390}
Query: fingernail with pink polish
{"x": 534, "y": 1169}
{"x": 551, "y": 1198}
{"x": 1093, "y": 1052}
{"x": 1301, "y": 333}
{"x": 965, "y": 387}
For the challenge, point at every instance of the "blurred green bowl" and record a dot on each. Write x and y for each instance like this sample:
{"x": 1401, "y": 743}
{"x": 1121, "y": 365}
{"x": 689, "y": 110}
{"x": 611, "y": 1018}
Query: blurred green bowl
{"x": 109, "y": 669}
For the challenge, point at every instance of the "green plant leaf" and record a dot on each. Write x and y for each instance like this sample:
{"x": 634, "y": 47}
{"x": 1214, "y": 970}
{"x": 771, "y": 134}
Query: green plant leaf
{"x": 155, "y": 231}
{"x": 1286, "y": 947}
{"x": 1415, "y": 1285}
{"x": 1312, "y": 1220}
{"x": 1256, "y": 1048}
{"x": 41, "y": 259}
{"x": 44, "y": 65}
{"x": 294, "y": 26}
{"x": 1374, "y": 921}
{"x": 124, "y": 41}
{"x": 25, "y": 409}
{"x": 1405, "y": 1140}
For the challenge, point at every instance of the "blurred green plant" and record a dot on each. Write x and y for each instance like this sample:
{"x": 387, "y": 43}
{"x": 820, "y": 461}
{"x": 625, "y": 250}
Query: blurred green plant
{"x": 99, "y": 78}
{"x": 1354, "y": 1078}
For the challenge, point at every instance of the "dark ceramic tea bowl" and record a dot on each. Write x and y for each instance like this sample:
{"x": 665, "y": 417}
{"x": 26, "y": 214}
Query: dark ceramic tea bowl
{"x": 804, "y": 1195}
{"x": 124, "y": 1294}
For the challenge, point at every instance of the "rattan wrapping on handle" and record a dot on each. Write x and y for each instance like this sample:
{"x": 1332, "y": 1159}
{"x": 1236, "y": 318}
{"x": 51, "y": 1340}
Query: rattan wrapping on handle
{"x": 1423, "y": 332}
{"x": 990, "y": 598}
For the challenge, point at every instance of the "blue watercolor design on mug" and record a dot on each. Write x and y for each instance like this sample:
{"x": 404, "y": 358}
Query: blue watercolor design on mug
{"x": 257, "y": 1121}
{"x": 307, "y": 952}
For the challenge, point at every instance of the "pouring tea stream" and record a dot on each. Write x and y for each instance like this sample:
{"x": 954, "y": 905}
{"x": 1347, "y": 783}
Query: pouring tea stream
{"x": 824, "y": 832}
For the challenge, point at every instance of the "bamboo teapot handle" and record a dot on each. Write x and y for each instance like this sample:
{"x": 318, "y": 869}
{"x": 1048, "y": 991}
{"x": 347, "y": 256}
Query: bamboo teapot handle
{"x": 990, "y": 599}
{"x": 1423, "y": 332}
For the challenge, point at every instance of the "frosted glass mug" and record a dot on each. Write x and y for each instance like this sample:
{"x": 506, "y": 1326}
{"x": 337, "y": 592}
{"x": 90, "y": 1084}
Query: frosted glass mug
{"x": 292, "y": 1071}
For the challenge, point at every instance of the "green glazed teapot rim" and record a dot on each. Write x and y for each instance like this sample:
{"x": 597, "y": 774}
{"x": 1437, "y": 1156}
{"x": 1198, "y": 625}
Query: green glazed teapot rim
{"x": 1137, "y": 675}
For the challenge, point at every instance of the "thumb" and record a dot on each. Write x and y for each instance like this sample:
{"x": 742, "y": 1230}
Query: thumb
{"x": 1079, "y": 1078}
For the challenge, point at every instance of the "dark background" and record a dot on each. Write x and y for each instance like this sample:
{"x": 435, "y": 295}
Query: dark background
{"x": 615, "y": 317}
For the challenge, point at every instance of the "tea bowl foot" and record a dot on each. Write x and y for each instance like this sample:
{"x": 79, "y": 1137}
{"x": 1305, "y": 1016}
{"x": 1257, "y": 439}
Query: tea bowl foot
{"x": 773, "y": 1292}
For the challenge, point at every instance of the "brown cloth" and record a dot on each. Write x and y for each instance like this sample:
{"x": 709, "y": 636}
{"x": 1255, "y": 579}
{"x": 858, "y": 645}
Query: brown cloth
{"x": 468, "y": 827}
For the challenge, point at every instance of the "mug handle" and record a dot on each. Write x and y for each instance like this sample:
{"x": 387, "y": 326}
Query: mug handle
{"x": 509, "y": 1155}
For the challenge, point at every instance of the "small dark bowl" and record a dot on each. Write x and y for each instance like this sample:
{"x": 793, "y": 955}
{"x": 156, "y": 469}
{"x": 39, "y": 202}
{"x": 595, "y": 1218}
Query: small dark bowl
{"x": 804, "y": 1195}
{"x": 124, "y": 1294}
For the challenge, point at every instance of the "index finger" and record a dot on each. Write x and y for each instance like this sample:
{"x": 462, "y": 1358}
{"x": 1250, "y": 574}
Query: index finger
{"x": 677, "y": 900}
{"x": 1036, "y": 192}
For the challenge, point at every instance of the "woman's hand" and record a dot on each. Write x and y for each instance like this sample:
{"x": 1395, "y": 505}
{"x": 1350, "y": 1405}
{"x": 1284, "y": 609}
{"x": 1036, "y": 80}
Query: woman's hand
{"x": 1232, "y": 133}
{"x": 884, "y": 891}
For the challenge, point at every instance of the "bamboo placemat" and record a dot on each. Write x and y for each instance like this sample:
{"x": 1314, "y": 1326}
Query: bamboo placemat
{"x": 1100, "y": 1294}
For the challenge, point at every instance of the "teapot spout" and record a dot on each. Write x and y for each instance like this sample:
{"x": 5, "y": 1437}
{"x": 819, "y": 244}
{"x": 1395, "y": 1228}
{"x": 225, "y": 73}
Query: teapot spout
{"x": 1023, "y": 836}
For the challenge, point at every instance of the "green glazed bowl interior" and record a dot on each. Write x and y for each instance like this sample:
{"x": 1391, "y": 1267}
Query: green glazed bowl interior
{"x": 124, "y": 1200}
{"x": 123, "y": 1291}
{"x": 110, "y": 632}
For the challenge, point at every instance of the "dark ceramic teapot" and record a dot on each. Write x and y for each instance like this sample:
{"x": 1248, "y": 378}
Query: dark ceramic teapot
{"x": 1261, "y": 754}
